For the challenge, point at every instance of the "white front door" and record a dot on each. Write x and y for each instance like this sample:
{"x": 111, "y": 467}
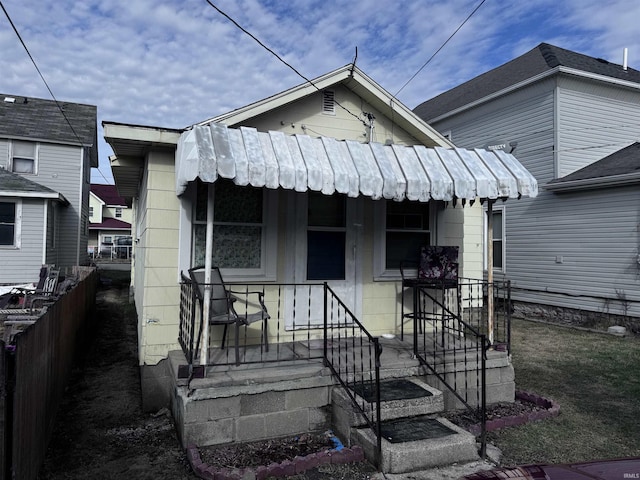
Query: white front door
{"x": 327, "y": 248}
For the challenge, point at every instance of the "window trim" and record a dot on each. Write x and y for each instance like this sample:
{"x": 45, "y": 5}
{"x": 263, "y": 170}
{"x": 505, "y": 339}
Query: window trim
{"x": 503, "y": 211}
{"x": 380, "y": 271}
{"x": 268, "y": 254}
{"x": 17, "y": 225}
{"x": 36, "y": 153}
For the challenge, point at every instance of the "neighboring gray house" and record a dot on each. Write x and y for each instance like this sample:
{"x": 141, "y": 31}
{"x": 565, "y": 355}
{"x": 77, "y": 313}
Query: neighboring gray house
{"x": 45, "y": 164}
{"x": 573, "y": 121}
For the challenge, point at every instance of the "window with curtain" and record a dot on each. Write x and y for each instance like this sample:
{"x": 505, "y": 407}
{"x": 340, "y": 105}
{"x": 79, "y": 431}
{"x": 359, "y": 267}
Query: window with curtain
{"x": 23, "y": 157}
{"x": 238, "y": 226}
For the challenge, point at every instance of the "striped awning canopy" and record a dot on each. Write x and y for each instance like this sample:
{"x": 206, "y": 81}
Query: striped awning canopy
{"x": 300, "y": 162}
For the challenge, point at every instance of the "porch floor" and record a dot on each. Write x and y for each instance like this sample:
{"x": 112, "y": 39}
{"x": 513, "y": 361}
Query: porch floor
{"x": 288, "y": 361}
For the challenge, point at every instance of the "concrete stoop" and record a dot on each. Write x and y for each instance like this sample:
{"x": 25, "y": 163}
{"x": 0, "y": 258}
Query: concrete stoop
{"x": 413, "y": 436}
{"x": 458, "y": 446}
{"x": 345, "y": 416}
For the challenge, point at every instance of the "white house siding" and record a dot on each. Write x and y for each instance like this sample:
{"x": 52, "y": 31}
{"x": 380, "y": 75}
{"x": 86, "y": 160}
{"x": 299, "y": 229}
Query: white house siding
{"x": 342, "y": 125}
{"x": 594, "y": 121}
{"x": 156, "y": 269}
{"x": 23, "y": 265}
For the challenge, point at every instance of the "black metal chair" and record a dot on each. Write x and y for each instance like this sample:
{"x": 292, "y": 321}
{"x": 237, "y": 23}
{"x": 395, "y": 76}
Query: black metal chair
{"x": 222, "y": 309}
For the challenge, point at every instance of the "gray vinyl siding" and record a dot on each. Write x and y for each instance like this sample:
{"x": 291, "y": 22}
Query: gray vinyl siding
{"x": 22, "y": 265}
{"x": 60, "y": 168}
{"x": 593, "y": 233}
{"x": 594, "y": 120}
{"x": 4, "y": 153}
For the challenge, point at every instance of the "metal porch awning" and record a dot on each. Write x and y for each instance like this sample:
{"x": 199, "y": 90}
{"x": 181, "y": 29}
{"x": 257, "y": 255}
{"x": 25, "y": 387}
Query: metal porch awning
{"x": 300, "y": 162}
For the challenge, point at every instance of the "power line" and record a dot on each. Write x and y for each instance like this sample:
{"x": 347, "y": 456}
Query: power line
{"x": 281, "y": 59}
{"x": 441, "y": 47}
{"x": 24, "y": 45}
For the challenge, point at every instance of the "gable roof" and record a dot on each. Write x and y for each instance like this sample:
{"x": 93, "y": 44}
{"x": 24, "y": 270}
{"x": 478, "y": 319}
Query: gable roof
{"x": 14, "y": 185}
{"x": 108, "y": 194}
{"x": 545, "y": 59}
{"x": 354, "y": 79}
{"x": 41, "y": 120}
{"x": 619, "y": 168}
{"x": 110, "y": 224}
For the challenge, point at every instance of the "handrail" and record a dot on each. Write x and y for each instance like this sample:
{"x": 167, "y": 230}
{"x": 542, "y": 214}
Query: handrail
{"x": 350, "y": 376}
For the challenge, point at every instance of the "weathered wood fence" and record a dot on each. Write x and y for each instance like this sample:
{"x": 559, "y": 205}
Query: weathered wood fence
{"x": 35, "y": 369}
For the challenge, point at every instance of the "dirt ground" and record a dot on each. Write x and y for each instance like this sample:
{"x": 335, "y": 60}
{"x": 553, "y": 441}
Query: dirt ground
{"x": 101, "y": 431}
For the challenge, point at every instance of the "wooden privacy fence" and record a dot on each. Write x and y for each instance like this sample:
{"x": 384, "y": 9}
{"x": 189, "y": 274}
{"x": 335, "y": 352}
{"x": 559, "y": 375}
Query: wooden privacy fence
{"x": 36, "y": 368}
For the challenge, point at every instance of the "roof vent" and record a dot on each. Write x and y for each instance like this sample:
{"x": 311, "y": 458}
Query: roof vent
{"x": 329, "y": 102}
{"x": 9, "y": 99}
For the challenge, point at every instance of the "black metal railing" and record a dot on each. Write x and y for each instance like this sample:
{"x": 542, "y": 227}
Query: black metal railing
{"x": 451, "y": 349}
{"x": 353, "y": 355}
{"x": 474, "y": 308}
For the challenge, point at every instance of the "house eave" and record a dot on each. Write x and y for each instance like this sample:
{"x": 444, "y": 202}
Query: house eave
{"x": 56, "y": 196}
{"x": 537, "y": 78}
{"x": 594, "y": 183}
{"x": 356, "y": 81}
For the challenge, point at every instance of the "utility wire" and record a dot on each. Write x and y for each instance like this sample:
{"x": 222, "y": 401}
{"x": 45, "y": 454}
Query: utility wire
{"x": 280, "y": 58}
{"x": 441, "y": 47}
{"x": 24, "y": 45}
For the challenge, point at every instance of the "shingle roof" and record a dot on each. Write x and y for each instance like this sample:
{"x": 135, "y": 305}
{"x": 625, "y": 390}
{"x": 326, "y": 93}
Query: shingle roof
{"x": 111, "y": 224}
{"x": 623, "y": 162}
{"x": 12, "y": 184}
{"x": 108, "y": 194}
{"x": 42, "y": 119}
{"x": 541, "y": 59}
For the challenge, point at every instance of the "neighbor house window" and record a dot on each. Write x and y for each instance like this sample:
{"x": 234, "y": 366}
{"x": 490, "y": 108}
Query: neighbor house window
{"x": 401, "y": 229}
{"x": 118, "y": 212}
{"x": 91, "y": 211}
{"x": 10, "y": 213}
{"x": 498, "y": 239}
{"x": 23, "y": 157}
{"x": 243, "y": 239}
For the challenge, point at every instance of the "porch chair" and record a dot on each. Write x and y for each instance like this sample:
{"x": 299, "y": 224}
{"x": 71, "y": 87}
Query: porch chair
{"x": 436, "y": 268}
{"x": 46, "y": 287}
{"x": 222, "y": 309}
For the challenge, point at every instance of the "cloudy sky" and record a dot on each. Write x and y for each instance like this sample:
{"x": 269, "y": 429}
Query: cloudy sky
{"x": 172, "y": 63}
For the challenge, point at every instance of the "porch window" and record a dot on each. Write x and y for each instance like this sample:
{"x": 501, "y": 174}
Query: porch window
{"x": 401, "y": 229}
{"x": 241, "y": 233}
{"x": 407, "y": 229}
{"x": 10, "y": 213}
{"x": 23, "y": 157}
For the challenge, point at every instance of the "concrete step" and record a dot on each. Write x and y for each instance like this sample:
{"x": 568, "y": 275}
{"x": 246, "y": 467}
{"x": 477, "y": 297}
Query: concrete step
{"x": 399, "y": 397}
{"x": 416, "y": 443}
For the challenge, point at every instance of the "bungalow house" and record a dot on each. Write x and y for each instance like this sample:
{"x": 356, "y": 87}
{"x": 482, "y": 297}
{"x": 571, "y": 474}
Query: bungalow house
{"x": 47, "y": 149}
{"x": 331, "y": 181}
{"x": 573, "y": 122}
{"x": 109, "y": 223}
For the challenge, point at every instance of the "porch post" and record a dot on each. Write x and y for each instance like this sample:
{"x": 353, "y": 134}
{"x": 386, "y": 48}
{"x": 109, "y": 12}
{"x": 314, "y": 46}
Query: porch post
{"x": 490, "y": 271}
{"x": 206, "y": 303}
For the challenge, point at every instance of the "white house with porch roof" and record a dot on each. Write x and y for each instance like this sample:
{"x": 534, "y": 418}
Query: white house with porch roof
{"x": 333, "y": 181}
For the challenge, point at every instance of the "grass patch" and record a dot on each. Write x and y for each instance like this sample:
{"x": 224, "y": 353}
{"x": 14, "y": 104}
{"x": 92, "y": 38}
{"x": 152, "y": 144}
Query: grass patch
{"x": 596, "y": 380}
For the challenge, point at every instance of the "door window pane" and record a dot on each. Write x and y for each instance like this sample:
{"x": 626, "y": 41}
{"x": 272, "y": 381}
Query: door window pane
{"x": 326, "y": 211}
{"x": 325, "y": 255}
